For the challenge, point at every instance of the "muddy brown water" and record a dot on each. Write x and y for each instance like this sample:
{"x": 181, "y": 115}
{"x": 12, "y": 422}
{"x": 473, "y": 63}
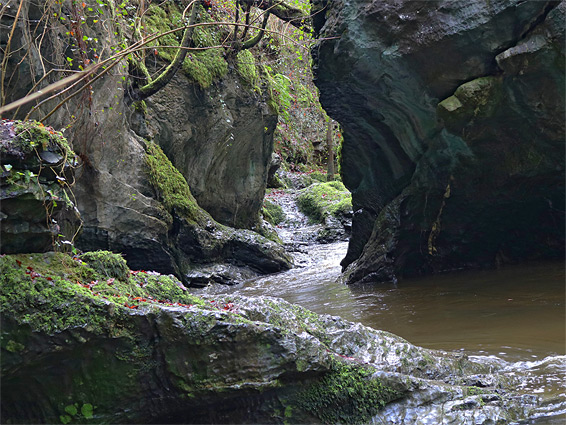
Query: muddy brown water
{"x": 516, "y": 313}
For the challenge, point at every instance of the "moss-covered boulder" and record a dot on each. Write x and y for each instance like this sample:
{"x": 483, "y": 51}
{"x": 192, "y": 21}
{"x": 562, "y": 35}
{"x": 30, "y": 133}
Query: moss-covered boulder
{"x": 321, "y": 200}
{"x": 272, "y": 212}
{"x": 79, "y": 346}
{"x": 329, "y": 204}
{"x": 37, "y": 211}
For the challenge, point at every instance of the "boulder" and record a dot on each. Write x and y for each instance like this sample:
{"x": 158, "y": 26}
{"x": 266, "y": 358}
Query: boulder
{"x": 453, "y": 123}
{"x": 221, "y": 139}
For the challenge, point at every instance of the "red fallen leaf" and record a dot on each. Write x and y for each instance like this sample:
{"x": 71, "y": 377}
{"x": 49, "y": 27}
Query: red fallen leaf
{"x": 137, "y": 298}
{"x": 19, "y": 263}
{"x": 49, "y": 278}
{"x": 29, "y": 268}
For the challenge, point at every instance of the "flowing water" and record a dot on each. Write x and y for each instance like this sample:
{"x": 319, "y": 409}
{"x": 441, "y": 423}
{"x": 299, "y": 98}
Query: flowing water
{"x": 516, "y": 313}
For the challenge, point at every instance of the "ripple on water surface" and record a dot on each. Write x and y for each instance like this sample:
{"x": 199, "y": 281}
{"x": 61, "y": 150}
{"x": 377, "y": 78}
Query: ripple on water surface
{"x": 516, "y": 313}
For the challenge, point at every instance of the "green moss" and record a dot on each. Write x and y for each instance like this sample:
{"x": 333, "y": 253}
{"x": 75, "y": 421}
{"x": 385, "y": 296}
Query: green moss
{"x": 34, "y": 136}
{"x": 348, "y": 394}
{"x": 54, "y": 291}
{"x": 107, "y": 264}
{"x": 272, "y": 212}
{"x": 14, "y": 347}
{"x": 202, "y": 66}
{"x": 245, "y": 64}
{"x": 323, "y": 199}
{"x": 161, "y": 19}
{"x": 171, "y": 186}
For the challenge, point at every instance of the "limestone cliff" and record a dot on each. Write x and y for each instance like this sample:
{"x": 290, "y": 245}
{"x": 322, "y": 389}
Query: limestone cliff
{"x": 453, "y": 116}
{"x": 220, "y": 138}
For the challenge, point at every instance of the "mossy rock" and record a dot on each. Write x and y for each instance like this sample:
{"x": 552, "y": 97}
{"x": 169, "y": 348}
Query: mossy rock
{"x": 52, "y": 283}
{"x": 346, "y": 395}
{"x": 272, "y": 212}
{"x": 20, "y": 138}
{"x": 246, "y": 67}
{"x": 171, "y": 186}
{"x": 321, "y": 200}
{"x": 204, "y": 66}
{"x": 107, "y": 264}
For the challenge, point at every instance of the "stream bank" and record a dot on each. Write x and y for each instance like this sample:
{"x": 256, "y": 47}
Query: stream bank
{"x": 85, "y": 340}
{"x": 514, "y": 316}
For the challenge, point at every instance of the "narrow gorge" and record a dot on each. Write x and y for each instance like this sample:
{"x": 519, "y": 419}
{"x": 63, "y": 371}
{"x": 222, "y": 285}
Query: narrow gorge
{"x": 175, "y": 246}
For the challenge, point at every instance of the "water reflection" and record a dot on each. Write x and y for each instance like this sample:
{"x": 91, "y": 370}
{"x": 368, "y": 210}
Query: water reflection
{"x": 516, "y": 313}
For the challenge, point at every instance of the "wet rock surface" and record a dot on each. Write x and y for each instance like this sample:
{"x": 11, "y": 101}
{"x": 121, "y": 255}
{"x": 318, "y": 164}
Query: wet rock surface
{"x": 453, "y": 111}
{"x": 223, "y": 359}
{"x": 297, "y": 229}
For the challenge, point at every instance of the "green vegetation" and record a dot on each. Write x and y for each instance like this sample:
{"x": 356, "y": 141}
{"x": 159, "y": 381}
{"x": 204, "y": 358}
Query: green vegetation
{"x": 320, "y": 200}
{"x": 54, "y": 291}
{"x": 107, "y": 264}
{"x": 75, "y": 414}
{"x": 203, "y": 66}
{"x": 347, "y": 394}
{"x": 272, "y": 212}
{"x": 170, "y": 185}
{"x": 245, "y": 64}
{"x": 33, "y": 135}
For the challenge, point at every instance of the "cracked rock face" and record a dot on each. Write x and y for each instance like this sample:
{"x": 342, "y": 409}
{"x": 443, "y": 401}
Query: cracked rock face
{"x": 453, "y": 116}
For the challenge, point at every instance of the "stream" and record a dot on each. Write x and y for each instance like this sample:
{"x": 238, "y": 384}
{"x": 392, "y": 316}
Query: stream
{"x": 516, "y": 313}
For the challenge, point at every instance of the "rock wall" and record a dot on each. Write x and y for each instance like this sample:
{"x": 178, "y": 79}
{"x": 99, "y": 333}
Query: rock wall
{"x": 220, "y": 139}
{"x": 453, "y": 116}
